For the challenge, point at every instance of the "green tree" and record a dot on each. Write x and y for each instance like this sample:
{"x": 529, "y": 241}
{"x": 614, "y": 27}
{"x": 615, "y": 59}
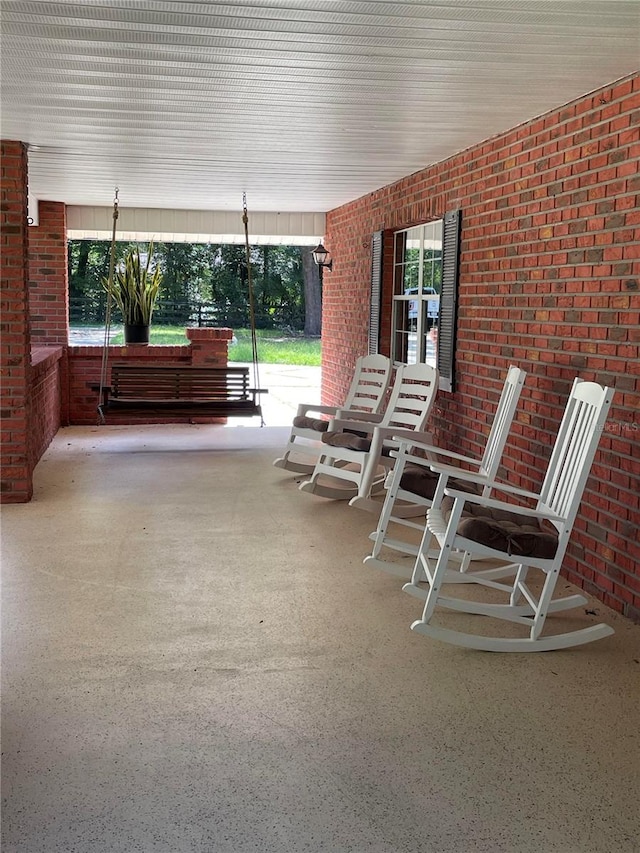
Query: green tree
{"x": 204, "y": 282}
{"x": 88, "y": 264}
{"x": 312, "y": 292}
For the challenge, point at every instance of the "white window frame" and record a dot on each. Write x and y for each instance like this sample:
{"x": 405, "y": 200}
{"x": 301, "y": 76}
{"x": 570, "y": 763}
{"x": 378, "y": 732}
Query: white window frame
{"x": 416, "y": 302}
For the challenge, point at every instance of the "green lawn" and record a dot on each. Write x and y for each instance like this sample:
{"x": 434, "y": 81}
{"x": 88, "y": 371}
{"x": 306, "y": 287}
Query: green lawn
{"x": 273, "y": 346}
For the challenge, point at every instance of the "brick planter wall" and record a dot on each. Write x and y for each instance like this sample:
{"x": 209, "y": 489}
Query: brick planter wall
{"x": 209, "y": 347}
{"x": 549, "y": 280}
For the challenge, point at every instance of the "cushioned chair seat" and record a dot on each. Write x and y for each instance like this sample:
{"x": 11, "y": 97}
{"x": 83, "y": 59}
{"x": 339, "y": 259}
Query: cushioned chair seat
{"x": 347, "y": 439}
{"x": 510, "y": 532}
{"x": 423, "y": 482}
{"x": 316, "y": 424}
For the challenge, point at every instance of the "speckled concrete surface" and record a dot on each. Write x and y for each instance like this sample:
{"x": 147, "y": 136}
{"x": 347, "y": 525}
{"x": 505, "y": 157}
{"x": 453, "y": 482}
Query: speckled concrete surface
{"x": 195, "y": 659}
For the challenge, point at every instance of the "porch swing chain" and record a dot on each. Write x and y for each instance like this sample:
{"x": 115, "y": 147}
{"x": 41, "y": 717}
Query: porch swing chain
{"x": 107, "y": 326}
{"x": 252, "y": 315}
{"x": 107, "y": 320}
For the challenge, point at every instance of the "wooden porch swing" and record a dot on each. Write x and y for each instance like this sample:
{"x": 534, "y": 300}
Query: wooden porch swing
{"x": 181, "y": 390}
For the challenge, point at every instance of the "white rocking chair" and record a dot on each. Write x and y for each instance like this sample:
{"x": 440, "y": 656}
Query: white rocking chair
{"x": 354, "y": 450}
{"x": 529, "y": 538}
{"x": 412, "y": 482}
{"x": 366, "y": 395}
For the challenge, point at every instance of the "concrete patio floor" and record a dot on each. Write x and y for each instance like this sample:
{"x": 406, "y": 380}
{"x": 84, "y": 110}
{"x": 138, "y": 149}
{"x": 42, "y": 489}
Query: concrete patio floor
{"x": 287, "y": 385}
{"x": 195, "y": 659}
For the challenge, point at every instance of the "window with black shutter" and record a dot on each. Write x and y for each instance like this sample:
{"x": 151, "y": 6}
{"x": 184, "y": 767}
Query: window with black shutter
{"x": 425, "y": 295}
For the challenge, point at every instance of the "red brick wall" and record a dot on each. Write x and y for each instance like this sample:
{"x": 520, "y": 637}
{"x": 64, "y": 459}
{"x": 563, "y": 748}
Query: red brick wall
{"x": 45, "y": 394}
{"x": 15, "y": 405}
{"x": 549, "y": 280}
{"x": 48, "y": 275}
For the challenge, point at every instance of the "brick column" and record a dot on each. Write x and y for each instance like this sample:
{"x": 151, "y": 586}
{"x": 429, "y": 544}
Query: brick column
{"x": 209, "y": 347}
{"x": 48, "y": 275}
{"x": 15, "y": 347}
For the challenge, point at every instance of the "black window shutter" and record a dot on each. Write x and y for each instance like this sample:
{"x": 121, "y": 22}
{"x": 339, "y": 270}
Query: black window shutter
{"x": 449, "y": 301}
{"x": 376, "y": 293}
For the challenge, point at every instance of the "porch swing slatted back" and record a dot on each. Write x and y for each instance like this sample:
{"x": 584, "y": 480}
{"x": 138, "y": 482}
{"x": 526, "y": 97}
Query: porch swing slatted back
{"x": 179, "y": 389}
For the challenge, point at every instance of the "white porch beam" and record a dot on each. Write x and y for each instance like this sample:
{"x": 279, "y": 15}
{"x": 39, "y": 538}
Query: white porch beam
{"x": 195, "y": 226}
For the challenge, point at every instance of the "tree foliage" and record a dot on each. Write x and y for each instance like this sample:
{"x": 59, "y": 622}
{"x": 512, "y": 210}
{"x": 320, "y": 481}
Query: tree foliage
{"x": 206, "y": 284}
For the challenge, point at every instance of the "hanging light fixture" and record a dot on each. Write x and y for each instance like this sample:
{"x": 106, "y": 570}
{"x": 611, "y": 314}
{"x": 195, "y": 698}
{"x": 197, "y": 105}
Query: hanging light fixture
{"x": 322, "y": 257}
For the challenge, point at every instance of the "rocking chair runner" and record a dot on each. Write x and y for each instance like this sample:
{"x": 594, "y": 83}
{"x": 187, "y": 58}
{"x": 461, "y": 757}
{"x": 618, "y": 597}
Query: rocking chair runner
{"x": 366, "y": 396}
{"x": 536, "y": 537}
{"x": 356, "y": 448}
{"x": 412, "y": 483}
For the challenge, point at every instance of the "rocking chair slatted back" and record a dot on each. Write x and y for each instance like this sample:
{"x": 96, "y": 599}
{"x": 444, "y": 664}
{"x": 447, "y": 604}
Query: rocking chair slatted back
{"x": 408, "y": 405}
{"x": 502, "y": 421}
{"x": 357, "y": 449}
{"x": 403, "y": 503}
{"x": 366, "y": 396}
{"x": 370, "y": 383}
{"x": 520, "y": 536}
{"x": 573, "y": 451}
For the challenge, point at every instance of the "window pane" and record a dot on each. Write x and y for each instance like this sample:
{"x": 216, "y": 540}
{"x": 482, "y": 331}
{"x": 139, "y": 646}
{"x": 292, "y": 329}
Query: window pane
{"x": 430, "y": 345}
{"x": 432, "y": 258}
{"x": 410, "y": 279}
{"x": 406, "y": 264}
{"x": 403, "y": 329}
{"x": 418, "y": 283}
{"x": 400, "y": 240}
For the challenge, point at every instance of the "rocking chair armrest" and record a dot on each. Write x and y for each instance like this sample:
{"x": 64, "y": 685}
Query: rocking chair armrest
{"x": 496, "y": 485}
{"x": 428, "y": 447}
{"x": 305, "y": 408}
{"x": 384, "y": 433}
{"x": 348, "y": 425}
{"x": 416, "y": 438}
{"x": 461, "y": 473}
{"x": 492, "y": 503}
{"x": 392, "y": 433}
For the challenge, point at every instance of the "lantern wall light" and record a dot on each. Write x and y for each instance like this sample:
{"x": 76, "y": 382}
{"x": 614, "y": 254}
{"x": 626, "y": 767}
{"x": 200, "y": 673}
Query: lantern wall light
{"x": 322, "y": 257}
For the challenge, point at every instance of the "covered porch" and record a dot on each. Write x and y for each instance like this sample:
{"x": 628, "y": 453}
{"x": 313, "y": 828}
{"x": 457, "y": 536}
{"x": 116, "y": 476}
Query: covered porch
{"x": 195, "y": 658}
{"x": 199, "y": 661}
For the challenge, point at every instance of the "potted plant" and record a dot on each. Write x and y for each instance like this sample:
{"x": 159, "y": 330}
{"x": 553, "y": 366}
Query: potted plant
{"x": 134, "y": 288}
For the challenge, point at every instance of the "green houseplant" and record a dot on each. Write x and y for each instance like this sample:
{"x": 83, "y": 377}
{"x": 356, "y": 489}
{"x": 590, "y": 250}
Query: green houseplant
{"x": 134, "y": 288}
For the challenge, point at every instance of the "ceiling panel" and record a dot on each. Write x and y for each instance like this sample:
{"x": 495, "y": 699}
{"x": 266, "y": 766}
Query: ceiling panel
{"x": 304, "y": 105}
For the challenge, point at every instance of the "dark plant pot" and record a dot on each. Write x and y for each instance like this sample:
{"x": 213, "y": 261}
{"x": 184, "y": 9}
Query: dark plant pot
{"x": 136, "y": 334}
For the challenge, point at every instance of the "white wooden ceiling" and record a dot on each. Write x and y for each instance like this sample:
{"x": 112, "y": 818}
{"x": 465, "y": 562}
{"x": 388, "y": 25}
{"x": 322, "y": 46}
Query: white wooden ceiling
{"x": 302, "y": 104}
